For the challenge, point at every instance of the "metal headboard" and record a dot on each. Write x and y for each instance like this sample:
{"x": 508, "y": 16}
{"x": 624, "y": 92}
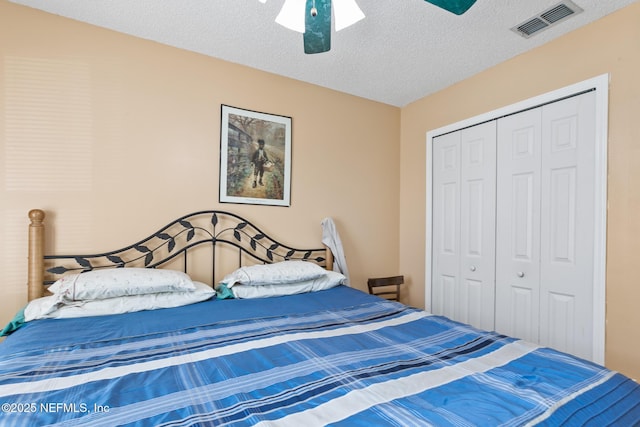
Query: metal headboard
{"x": 176, "y": 239}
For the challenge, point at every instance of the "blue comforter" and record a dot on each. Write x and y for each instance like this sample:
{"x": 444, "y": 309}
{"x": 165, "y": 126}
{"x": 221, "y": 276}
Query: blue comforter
{"x": 337, "y": 357}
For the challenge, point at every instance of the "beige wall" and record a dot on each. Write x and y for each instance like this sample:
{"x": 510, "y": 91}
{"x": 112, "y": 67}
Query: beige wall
{"x": 610, "y": 45}
{"x": 115, "y": 136}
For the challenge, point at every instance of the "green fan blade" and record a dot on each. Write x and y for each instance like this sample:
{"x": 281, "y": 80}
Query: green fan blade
{"x": 317, "y": 35}
{"x": 454, "y": 6}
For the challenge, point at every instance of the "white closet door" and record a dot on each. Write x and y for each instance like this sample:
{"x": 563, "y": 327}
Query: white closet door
{"x": 477, "y": 226}
{"x": 547, "y": 228}
{"x": 446, "y": 223}
{"x": 464, "y": 225}
{"x": 567, "y": 254}
{"x": 518, "y": 230}
{"x": 545, "y": 213}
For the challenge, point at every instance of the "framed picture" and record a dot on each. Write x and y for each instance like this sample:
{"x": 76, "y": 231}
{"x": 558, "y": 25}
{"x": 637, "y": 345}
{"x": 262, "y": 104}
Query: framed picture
{"x": 255, "y": 157}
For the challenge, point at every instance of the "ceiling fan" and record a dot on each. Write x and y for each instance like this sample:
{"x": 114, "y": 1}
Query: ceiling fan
{"x": 316, "y": 25}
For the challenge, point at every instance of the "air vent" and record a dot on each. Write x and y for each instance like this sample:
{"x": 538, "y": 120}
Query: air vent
{"x": 547, "y": 19}
{"x": 557, "y": 13}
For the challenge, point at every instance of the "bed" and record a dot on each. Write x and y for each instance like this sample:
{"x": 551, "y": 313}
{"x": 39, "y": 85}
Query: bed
{"x": 309, "y": 356}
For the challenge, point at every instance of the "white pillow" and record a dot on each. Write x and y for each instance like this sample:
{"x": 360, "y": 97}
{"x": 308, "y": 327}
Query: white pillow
{"x": 274, "y": 274}
{"x": 54, "y": 307}
{"x": 329, "y": 280}
{"x": 40, "y": 307}
{"x": 118, "y": 282}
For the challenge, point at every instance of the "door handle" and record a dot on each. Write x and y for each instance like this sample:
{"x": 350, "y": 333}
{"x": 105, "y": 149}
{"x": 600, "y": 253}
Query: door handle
{"x": 520, "y": 274}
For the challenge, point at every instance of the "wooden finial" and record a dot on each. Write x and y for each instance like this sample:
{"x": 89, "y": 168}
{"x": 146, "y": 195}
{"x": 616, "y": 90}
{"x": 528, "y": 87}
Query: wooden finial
{"x": 36, "y": 215}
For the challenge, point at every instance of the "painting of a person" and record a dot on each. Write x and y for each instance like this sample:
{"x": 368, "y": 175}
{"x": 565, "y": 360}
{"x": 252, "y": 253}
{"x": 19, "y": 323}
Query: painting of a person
{"x": 259, "y": 159}
{"x": 255, "y": 157}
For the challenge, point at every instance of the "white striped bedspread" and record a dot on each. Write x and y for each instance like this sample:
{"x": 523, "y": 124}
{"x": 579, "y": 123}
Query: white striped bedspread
{"x": 372, "y": 363}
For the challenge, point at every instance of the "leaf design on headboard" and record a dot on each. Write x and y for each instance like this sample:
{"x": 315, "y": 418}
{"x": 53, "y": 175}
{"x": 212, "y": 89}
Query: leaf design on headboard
{"x": 270, "y": 250}
{"x": 236, "y": 232}
{"x": 254, "y": 239}
{"x": 83, "y": 262}
{"x": 141, "y": 248}
{"x": 170, "y": 240}
{"x": 116, "y": 260}
{"x": 145, "y": 250}
{"x": 187, "y": 225}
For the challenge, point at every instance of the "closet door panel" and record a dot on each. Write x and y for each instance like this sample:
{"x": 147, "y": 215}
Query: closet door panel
{"x": 518, "y": 219}
{"x": 567, "y": 225}
{"x": 446, "y": 224}
{"x": 477, "y": 225}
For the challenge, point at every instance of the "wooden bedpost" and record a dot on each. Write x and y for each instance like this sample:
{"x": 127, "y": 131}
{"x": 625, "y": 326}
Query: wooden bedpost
{"x": 36, "y": 255}
{"x": 329, "y": 258}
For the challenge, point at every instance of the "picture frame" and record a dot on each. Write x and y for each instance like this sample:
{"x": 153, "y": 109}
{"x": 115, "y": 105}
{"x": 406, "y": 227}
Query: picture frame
{"x": 255, "y": 157}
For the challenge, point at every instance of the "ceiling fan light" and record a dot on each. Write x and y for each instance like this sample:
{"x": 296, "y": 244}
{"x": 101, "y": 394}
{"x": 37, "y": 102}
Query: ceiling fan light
{"x": 291, "y": 15}
{"x": 346, "y": 13}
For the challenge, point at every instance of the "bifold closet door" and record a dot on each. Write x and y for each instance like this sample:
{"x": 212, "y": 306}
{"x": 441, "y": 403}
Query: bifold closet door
{"x": 463, "y": 273}
{"x": 446, "y": 224}
{"x": 545, "y": 216}
{"x": 567, "y": 226}
{"x": 519, "y": 153}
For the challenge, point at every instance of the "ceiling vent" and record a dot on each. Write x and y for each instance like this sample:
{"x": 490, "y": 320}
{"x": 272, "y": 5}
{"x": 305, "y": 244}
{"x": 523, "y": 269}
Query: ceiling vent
{"x": 547, "y": 19}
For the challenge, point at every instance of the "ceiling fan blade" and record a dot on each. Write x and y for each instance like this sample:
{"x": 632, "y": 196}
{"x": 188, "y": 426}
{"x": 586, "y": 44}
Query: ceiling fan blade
{"x": 317, "y": 35}
{"x": 454, "y": 6}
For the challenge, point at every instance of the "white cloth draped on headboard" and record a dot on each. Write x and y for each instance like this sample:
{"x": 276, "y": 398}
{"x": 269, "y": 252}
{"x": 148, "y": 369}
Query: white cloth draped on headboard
{"x": 331, "y": 239}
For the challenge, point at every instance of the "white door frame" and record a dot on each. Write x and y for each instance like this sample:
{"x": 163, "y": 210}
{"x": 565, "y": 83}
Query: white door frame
{"x": 601, "y": 86}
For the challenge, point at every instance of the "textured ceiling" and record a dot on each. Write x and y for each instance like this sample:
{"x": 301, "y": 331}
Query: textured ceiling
{"x": 402, "y": 51}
